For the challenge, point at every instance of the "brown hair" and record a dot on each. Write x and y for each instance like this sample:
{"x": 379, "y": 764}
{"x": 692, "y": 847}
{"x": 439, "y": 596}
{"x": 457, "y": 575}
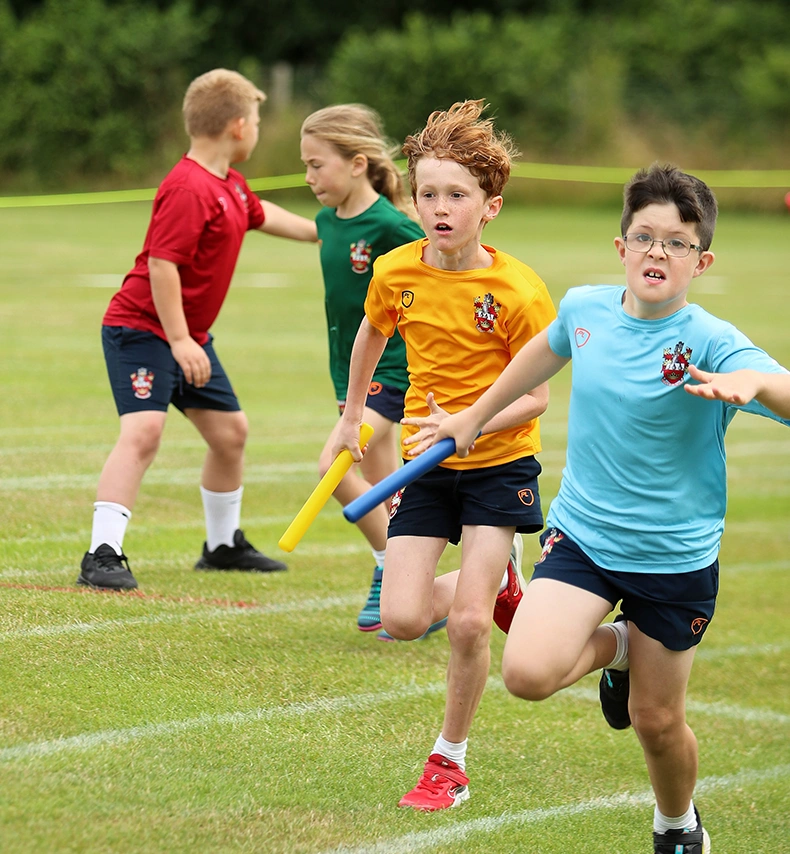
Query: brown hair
{"x": 459, "y": 134}
{"x": 666, "y": 184}
{"x": 216, "y": 98}
{"x": 356, "y": 129}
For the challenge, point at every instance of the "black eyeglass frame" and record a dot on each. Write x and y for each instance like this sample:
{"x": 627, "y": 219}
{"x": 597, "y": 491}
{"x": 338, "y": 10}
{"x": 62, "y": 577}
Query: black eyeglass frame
{"x": 653, "y": 241}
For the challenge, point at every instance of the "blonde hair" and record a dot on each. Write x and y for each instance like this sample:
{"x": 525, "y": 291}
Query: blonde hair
{"x": 459, "y": 134}
{"x": 216, "y": 98}
{"x": 353, "y": 129}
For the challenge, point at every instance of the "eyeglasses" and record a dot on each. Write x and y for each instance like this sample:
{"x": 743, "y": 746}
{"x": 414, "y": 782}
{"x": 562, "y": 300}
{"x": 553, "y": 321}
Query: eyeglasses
{"x": 673, "y": 246}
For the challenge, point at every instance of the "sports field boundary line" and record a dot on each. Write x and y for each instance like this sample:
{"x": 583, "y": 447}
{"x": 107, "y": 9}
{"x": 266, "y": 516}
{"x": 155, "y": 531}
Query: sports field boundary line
{"x": 441, "y": 838}
{"x": 323, "y": 705}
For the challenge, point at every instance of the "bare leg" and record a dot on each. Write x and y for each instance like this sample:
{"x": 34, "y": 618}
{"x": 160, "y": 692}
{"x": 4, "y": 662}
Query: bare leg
{"x": 555, "y": 639}
{"x": 225, "y": 434}
{"x": 659, "y": 678}
{"x": 123, "y": 471}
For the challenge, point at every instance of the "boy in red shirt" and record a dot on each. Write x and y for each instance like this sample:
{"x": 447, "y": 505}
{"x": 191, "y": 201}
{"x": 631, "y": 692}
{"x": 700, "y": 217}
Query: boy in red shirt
{"x": 156, "y": 337}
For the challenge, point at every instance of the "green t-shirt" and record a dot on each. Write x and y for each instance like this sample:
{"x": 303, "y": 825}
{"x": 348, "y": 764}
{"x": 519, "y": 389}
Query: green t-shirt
{"x": 348, "y": 249}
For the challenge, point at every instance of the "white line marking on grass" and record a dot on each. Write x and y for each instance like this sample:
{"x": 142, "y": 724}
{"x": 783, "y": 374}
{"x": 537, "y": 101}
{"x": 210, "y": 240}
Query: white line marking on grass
{"x": 330, "y": 705}
{"x": 213, "y": 613}
{"x": 443, "y": 838}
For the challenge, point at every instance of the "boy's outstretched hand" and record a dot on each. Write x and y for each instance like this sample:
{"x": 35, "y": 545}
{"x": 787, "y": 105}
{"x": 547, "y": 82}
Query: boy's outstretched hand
{"x": 737, "y": 388}
{"x": 420, "y": 441}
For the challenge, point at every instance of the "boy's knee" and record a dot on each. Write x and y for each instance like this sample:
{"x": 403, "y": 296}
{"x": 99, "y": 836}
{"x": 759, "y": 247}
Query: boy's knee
{"x": 528, "y": 681}
{"x": 469, "y": 628}
{"x": 656, "y": 725}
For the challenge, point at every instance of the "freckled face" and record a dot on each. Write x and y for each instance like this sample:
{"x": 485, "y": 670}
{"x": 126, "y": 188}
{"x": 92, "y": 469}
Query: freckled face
{"x": 657, "y": 283}
{"x": 452, "y": 206}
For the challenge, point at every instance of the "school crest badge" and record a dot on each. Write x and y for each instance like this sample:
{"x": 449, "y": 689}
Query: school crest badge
{"x": 554, "y": 537}
{"x": 360, "y": 256}
{"x": 142, "y": 383}
{"x": 486, "y": 313}
{"x": 395, "y": 502}
{"x": 241, "y": 194}
{"x": 676, "y": 363}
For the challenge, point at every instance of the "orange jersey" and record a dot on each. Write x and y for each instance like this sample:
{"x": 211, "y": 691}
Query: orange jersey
{"x": 461, "y": 330}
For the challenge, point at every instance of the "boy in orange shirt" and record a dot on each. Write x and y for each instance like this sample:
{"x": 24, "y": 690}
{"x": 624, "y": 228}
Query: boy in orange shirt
{"x": 464, "y": 310}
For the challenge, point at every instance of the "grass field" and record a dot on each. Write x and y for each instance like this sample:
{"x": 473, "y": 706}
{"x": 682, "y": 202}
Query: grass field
{"x": 229, "y": 712}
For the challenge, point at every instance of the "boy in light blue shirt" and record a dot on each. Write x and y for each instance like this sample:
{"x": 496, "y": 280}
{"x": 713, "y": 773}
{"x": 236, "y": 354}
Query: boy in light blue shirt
{"x": 640, "y": 510}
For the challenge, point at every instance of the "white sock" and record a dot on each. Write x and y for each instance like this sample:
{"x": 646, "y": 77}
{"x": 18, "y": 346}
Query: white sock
{"x": 223, "y": 515}
{"x": 455, "y": 752}
{"x": 378, "y": 556}
{"x": 109, "y": 525}
{"x": 503, "y": 583}
{"x": 688, "y": 821}
{"x": 620, "y": 660}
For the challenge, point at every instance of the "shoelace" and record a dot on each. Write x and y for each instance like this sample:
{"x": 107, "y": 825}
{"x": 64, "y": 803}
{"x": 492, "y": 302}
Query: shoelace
{"x": 110, "y": 561}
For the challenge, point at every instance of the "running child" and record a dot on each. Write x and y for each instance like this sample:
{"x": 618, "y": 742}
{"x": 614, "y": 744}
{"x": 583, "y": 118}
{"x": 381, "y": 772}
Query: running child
{"x": 156, "y": 337}
{"x": 464, "y": 310}
{"x": 640, "y": 510}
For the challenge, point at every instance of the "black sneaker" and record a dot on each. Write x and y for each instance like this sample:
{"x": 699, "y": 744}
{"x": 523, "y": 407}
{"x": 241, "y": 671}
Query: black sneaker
{"x": 105, "y": 570}
{"x": 241, "y": 556}
{"x": 683, "y": 841}
{"x": 613, "y": 690}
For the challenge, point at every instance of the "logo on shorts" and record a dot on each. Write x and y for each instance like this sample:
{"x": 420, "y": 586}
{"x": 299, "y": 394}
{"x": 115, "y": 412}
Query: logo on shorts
{"x": 526, "y": 497}
{"x": 360, "y": 256}
{"x": 407, "y": 298}
{"x": 676, "y": 363}
{"x": 698, "y": 624}
{"x": 375, "y": 388}
{"x": 142, "y": 383}
{"x": 554, "y": 536}
{"x": 486, "y": 313}
{"x": 395, "y": 501}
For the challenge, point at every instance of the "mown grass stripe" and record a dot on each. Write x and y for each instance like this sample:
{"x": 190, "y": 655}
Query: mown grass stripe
{"x": 324, "y": 705}
{"x": 441, "y": 838}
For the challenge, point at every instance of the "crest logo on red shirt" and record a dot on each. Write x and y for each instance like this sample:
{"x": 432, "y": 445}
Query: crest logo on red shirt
{"x": 676, "y": 363}
{"x": 486, "y": 313}
{"x": 360, "y": 256}
{"x": 242, "y": 195}
{"x": 142, "y": 383}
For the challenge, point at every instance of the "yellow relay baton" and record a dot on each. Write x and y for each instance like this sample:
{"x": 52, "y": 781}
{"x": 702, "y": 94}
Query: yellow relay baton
{"x": 320, "y": 495}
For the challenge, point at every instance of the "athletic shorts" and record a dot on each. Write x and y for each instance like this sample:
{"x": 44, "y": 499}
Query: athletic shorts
{"x": 145, "y": 377}
{"x": 672, "y": 608}
{"x": 384, "y": 399}
{"x": 442, "y": 501}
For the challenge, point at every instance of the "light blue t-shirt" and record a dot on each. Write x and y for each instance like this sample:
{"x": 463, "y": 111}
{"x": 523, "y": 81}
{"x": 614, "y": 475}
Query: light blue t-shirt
{"x": 644, "y": 488}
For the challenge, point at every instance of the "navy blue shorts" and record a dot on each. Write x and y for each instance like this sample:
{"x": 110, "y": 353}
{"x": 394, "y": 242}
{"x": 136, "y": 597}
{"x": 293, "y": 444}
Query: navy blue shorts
{"x": 443, "y": 500}
{"x": 384, "y": 399}
{"x": 672, "y": 608}
{"x": 144, "y": 376}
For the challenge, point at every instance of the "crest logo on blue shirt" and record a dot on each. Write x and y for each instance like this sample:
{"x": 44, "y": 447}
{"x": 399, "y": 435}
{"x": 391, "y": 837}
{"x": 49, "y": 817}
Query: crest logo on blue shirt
{"x": 676, "y": 364}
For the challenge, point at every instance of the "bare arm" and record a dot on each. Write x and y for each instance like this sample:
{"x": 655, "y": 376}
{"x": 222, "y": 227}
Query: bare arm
{"x": 741, "y": 387}
{"x": 532, "y": 366}
{"x": 368, "y": 347}
{"x": 282, "y": 223}
{"x": 166, "y": 293}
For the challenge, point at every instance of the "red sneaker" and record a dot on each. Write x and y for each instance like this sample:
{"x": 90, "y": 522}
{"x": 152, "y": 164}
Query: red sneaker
{"x": 443, "y": 784}
{"x": 507, "y": 601}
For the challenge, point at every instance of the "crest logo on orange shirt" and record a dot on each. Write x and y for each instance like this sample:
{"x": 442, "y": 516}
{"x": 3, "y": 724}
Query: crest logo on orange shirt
{"x": 406, "y": 298}
{"x": 360, "y": 256}
{"x": 676, "y": 363}
{"x": 486, "y": 313}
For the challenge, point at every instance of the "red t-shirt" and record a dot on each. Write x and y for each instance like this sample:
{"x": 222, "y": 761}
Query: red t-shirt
{"x": 198, "y": 222}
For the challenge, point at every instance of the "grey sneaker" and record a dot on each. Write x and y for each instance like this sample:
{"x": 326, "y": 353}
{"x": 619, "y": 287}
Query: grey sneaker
{"x": 105, "y": 569}
{"x": 241, "y": 556}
